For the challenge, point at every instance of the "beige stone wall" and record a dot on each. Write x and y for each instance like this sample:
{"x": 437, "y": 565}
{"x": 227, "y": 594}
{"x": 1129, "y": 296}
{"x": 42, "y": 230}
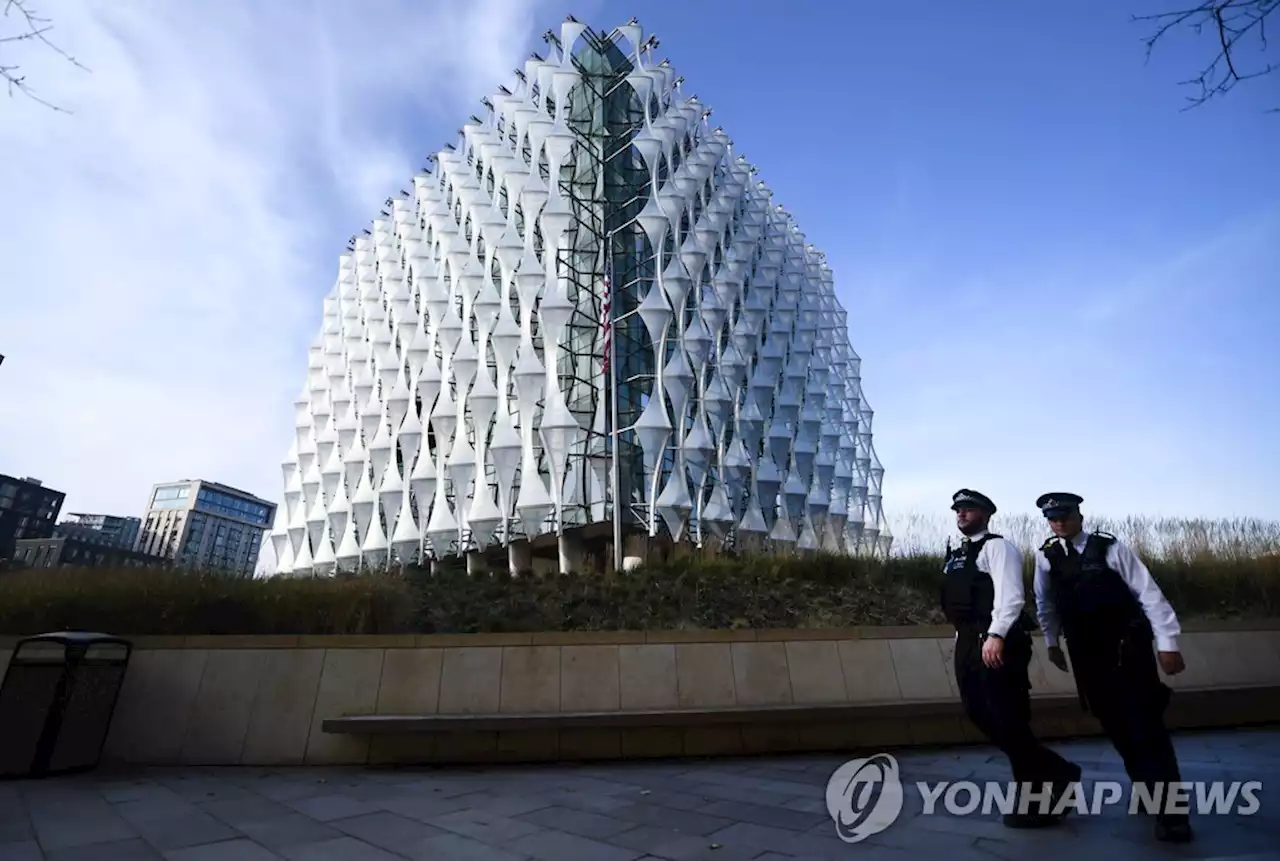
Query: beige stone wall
{"x": 261, "y": 700}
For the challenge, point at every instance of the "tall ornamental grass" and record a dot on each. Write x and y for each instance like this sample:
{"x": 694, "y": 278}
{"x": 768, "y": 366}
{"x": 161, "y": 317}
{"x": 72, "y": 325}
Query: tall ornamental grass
{"x": 1155, "y": 538}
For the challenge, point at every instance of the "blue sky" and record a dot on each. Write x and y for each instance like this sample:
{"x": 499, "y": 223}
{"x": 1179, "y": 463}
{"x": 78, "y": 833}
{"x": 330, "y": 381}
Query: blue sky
{"x": 1056, "y": 279}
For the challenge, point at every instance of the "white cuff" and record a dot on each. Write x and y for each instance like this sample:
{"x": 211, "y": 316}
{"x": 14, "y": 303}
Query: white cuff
{"x": 1166, "y": 644}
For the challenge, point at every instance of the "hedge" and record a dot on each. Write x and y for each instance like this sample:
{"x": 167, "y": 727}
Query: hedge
{"x": 817, "y": 591}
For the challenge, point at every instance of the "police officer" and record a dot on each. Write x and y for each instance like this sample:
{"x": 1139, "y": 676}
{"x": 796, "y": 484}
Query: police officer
{"x": 983, "y": 598}
{"x": 1094, "y": 590}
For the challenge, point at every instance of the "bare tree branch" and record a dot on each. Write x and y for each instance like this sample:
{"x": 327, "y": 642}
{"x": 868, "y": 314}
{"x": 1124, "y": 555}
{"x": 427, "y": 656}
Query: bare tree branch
{"x": 1230, "y": 21}
{"x": 30, "y": 27}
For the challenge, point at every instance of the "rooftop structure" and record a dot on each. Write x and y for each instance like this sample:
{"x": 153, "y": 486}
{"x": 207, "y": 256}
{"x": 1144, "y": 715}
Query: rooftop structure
{"x": 106, "y": 529}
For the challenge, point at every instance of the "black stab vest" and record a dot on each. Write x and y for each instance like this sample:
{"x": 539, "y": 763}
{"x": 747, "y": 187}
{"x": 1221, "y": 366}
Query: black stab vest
{"x": 1093, "y": 602}
{"x": 968, "y": 594}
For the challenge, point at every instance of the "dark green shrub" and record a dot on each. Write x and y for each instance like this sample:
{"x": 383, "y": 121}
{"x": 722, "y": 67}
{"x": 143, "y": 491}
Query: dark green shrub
{"x": 156, "y": 601}
{"x": 818, "y": 591}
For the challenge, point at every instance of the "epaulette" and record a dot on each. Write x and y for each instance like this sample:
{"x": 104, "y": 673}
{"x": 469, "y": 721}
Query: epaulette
{"x": 1106, "y": 535}
{"x": 1049, "y": 542}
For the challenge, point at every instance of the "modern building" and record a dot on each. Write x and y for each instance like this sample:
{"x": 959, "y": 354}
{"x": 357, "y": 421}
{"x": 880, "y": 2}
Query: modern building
{"x": 592, "y": 233}
{"x": 81, "y": 552}
{"x": 106, "y": 529}
{"x": 28, "y": 509}
{"x": 201, "y": 524}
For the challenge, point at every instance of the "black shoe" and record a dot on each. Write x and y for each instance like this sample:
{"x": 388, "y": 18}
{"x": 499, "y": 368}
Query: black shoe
{"x": 1061, "y": 788}
{"x": 1174, "y": 829}
{"x": 1056, "y": 796}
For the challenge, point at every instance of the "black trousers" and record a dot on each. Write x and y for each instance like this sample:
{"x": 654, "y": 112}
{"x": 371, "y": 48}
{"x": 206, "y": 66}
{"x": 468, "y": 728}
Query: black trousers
{"x": 998, "y": 701}
{"x": 1121, "y": 684}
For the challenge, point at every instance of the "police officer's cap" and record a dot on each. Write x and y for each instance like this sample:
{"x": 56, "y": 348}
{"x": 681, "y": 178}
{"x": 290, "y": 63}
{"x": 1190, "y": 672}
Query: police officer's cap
{"x": 1058, "y": 504}
{"x": 972, "y": 499}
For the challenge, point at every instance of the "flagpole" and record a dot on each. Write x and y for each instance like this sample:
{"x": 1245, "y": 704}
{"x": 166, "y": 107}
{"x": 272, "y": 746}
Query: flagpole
{"x": 615, "y": 478}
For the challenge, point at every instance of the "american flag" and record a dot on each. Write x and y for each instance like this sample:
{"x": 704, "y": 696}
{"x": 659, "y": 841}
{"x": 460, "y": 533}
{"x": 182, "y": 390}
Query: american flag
{"x": 607, "y": 308}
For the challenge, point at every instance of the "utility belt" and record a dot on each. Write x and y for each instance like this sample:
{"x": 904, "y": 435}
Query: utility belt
{"x": 1110, "y": 648}
{"x": 1024, "y": 624}
{"x": 976, "y": 632}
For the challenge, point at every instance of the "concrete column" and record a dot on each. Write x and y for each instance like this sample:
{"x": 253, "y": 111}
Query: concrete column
{"x": 571, "y": 554}
{"x": 520, "y": 557}
{"x": 475, "y": 562}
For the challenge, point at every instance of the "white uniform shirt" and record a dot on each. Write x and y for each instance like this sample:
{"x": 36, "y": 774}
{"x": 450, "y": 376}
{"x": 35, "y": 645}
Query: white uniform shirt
{"x": 1122, "y": 560}
{"x": 1002, "y": 561}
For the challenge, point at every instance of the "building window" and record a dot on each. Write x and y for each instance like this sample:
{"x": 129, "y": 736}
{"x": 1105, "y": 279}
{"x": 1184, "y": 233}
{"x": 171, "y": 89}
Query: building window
{"x": 171, "y": 497}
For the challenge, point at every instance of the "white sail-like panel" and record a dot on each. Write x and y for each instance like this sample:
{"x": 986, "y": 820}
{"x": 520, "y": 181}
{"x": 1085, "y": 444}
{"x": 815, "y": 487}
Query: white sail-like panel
{"x": 458, "y": 394}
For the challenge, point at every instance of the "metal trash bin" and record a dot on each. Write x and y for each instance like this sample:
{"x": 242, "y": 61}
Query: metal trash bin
{"x": 56, "y": 702}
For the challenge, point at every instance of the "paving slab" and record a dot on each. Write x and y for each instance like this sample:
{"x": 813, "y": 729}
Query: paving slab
{"x": 123, "y": 850}
{"x": 744, "y": 809}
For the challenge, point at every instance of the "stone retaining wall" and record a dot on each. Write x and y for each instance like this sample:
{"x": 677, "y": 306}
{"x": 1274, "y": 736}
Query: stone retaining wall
{"x": 261, "y": 700}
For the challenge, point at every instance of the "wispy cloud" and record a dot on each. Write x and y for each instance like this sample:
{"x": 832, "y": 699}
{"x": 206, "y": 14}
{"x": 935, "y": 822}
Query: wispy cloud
{"x": 166, "y": 245}
{"x": 1095, "y": 378}
{"x": 1202, "y": 270}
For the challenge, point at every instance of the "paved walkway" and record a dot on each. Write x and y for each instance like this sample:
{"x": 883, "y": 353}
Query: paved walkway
{"x": 724, "y": 810}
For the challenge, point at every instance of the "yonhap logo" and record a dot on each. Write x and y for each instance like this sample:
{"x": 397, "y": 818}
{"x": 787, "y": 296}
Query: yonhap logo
{"x": 864, "y": 797}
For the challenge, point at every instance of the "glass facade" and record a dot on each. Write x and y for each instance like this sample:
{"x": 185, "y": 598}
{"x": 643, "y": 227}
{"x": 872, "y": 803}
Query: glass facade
{"x": 604, "y": 182}
{"x": 216, "y": 502}
{"x": 189, "y": 557}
